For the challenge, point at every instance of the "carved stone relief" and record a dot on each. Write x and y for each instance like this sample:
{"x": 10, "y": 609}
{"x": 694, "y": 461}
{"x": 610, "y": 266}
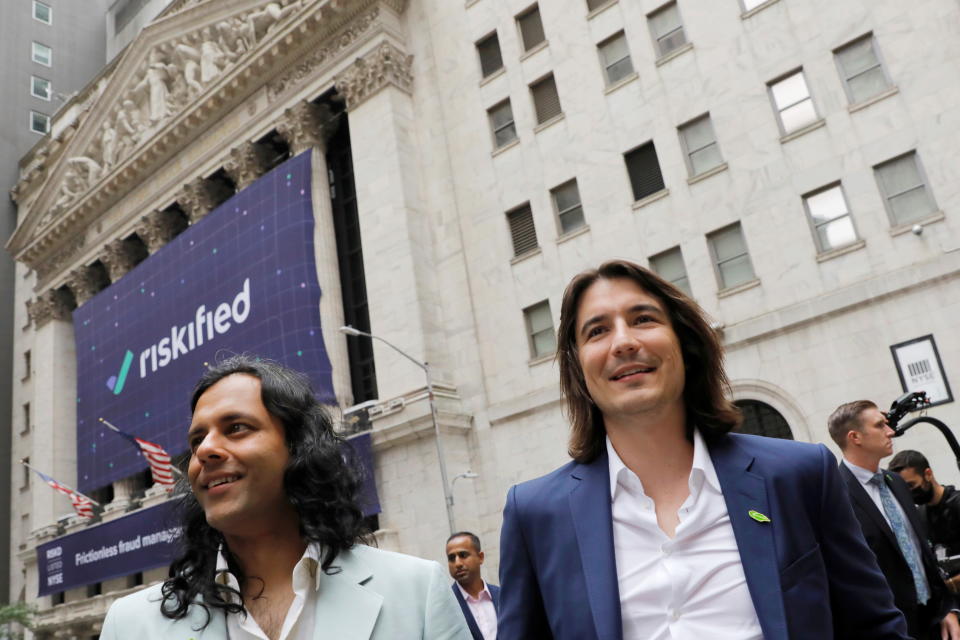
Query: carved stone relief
{"x": 198, "y": 198}
{"x": 387, "y": 65}
{"x": 158, "y": 228}
{"x": 52, "y": 304}
{"x": 306, "y": 125}
{"x": 119, "y": 257}
{"x": 246, "y": 163}
{"x": 85, "y": 282}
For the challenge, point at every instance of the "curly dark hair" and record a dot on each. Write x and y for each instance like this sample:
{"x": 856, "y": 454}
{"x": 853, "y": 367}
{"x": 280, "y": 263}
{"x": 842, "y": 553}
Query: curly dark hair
{"x": 706, "y": 388}
{"x": 321, "y": 481}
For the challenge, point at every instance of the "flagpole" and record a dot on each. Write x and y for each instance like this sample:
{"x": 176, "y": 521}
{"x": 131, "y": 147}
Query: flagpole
{"x": 27, "y": 465}
{"x": 173, "y": 467}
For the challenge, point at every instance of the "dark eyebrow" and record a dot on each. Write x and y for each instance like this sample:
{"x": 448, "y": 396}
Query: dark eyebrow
{"x": 227, "y": 418}
{"x": 637, "y": 308}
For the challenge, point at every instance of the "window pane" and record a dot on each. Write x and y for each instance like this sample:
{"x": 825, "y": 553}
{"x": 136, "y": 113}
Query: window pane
{"x": 728, "y": 243}
{"x": 697, "y": 135}
{"x": 867, "y": 85}
{"x": 798, "y": 116}
{"x": 614, "y": 49}
{"x": 545, "y": 99}
{"x": 619, "y": 71}
{"x": 750, "y": 4}
{"x": 736, "y": 272}
{"x": 672, "y": 41}
{"x": 544, "y": 343}
{"x": 827, "y": 205}
{"x": 596, "y": 4}
{"x": 790, "y": 91}
{"x": 41, "y": 53}
{"x": 572, "y": 219}
{"x": 837, "y": 233}
{"x": 41, "y": 12}
{"x": 490, "y": 59}
{"x": 531, "y": 29}
{"x": 705, "y": 159}
{"x": 566, "y": 196}
{"x": 644, "y": 171}
{"x": 501, "y": 115}
{"x": 857, "y": 57}
{"x": 505, "y": 135}
{"x": 539, "y": 317}
{"x": 665, "y": 21}
{"x": 669, "y": 265}
{"x": 523, "y": 233}
{"x": 911, "y": 205}
{"x": 39, "y": 123}
{"x": 899, "y": 175}
{"x": 40, "y": 87}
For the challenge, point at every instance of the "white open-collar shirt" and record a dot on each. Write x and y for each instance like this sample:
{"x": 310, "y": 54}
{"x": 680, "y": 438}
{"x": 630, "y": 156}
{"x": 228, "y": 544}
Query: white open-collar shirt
{"x": 688, "y": 586}
{"x": 299, "y": 621}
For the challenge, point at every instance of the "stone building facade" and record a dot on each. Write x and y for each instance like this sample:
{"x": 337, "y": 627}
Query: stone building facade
{"x": 789, "y": 163}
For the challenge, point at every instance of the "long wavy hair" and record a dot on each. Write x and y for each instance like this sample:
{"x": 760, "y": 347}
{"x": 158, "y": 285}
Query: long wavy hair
{"x": 321, "y": 481}
{"x": 706, "y": 388}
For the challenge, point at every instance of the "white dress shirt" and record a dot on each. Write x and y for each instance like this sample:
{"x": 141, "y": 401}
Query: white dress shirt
{"x": 689, "y": 586}
{"x": 864, "y": 476}
{"x": 483, "y": 611}
{"x": 298, "y": 623}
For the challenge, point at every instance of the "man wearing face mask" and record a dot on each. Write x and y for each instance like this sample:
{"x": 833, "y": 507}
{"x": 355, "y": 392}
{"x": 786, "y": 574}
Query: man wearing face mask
{"x": 939, "y": 504}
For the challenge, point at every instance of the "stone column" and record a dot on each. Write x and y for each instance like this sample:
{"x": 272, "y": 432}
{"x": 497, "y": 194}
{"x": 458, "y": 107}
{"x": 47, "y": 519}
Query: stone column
{"x": 84, "y": 282}
{"x": 308, "y": 126}
{"x": 53, "y": 402}
{"x": 122, "y": 497}
{"x": 197, "y": 199}
{"x": 157, "y": 228}
{"x": 119, "y": 258}
{"x": 245, "y": 164}
{"x": 398, "y": 254}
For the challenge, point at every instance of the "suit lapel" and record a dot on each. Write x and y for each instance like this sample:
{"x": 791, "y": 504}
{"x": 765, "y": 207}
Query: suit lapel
{"x": 347, "y": 610}
{"x": 592, "y": 521}
{"x": 861, "y": 499}
{"x": 745, "y": 491}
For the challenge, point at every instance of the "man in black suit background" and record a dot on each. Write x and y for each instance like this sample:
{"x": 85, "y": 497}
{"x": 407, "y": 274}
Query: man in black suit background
{"x": 479, "y": 600}
{"x": 890, "y": 523}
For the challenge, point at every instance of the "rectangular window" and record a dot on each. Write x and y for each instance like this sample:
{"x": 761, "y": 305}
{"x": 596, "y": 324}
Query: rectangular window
{"x": 700, "y": 145}
{"x": 39, "y": 122}
{"x": 752, "y": 4}
{"x": 488, "y": 49}
{"x": 25, "y": 477}
{"x": 26, "y": 364}
{"x": 667, "y": 29}
{"x": 793, "y": 103}
{"x": 26, "y": 418}
{"x": 863, "y": 75}
{"x": 730, "y": 257}
{"x": 593, "y": 5}
{"x": 531, "y": 28}
{"x": 42, "y": 12}
{"x": 566, "y": 202}
{"x": 41, "y": 54}
{"x": 644, "y": 171}
{"x": 546, "y": 100}
{"x": 543, "y": 341}
{"x": 40, "y": 88}
{"x": 830, "y": 218}
{"x": 501, "y": 123}
{"x": 904, "y": 190}
{"x": 669, "y": 266}
{"x": 523, "y": 233}
{"x": 615, "y": 58}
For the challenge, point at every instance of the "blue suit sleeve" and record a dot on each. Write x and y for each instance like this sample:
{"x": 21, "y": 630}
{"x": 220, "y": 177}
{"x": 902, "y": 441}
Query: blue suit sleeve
{"x": 860, "y": 599}
{"x": 522, "y": 615}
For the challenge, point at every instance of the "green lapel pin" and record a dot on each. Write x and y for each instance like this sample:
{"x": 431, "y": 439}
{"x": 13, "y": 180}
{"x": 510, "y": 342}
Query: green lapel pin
{"x": 756, "y": 515}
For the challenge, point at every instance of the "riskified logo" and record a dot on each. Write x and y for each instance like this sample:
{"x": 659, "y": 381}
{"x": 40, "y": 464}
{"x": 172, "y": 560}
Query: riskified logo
{"x": 115, "y": 383}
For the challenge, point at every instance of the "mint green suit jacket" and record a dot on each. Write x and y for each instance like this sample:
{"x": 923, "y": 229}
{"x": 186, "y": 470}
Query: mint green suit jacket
{"x": 377, "y": 595}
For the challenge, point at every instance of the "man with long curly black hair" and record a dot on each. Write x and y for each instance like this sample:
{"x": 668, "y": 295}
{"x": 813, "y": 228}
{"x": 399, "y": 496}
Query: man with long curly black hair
{"x": 273, "y": 532}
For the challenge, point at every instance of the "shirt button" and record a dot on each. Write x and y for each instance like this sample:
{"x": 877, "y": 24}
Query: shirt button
{"x": 675, "y": 615}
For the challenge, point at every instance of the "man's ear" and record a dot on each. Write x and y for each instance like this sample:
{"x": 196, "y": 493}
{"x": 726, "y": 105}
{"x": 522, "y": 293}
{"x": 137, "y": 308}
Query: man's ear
{"x": 853, "y": 437}
{"x": 480, "y": 555}
{"x": 928, "y": 475}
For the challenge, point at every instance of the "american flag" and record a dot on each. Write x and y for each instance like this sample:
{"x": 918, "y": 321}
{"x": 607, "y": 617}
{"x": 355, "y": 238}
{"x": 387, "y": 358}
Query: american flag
{"x": 81, "y": 503}
{"x": 160, "y": 466}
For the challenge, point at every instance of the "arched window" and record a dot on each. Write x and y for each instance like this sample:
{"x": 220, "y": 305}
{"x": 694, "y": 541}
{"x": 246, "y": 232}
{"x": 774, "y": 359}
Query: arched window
{"x": 761, "y": 419}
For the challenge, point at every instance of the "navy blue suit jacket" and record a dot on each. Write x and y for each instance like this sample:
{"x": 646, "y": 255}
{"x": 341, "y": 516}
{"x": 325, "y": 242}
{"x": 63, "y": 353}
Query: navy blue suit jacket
{"x": 809, "y": 572}
{"x": 471, "y": 622}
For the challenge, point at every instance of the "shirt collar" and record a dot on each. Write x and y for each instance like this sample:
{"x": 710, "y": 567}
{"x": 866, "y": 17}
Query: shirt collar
{"x": 309, "y": 561}
{"x": 862, "y": 475}
{"x": 702, "y": 464}
{"x": 480, "y": 596}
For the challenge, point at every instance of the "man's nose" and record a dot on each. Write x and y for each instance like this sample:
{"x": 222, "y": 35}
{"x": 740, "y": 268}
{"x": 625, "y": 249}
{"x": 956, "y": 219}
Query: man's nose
{"x": 210, "y": 448}
{"x": 624, "y": 340}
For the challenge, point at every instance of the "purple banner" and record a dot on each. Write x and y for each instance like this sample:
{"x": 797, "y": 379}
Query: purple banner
{"x": 363, "y": 450}
{"x": 143, "y": 540}
{"x": 241, "y": 280}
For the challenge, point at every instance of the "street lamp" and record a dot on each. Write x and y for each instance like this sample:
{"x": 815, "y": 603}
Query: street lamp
{"x": 447, "y": 496}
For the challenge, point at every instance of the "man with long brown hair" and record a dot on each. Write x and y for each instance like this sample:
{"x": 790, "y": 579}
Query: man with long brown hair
{"x": 666, "y": 525}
